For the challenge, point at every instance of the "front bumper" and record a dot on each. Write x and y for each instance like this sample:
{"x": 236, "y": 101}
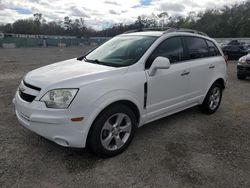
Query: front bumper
{"x": 53, "y": 124}
{"x": 243, "y": 70}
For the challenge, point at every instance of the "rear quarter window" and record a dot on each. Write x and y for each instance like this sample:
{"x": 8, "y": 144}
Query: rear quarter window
{"x": 213, "y": 50}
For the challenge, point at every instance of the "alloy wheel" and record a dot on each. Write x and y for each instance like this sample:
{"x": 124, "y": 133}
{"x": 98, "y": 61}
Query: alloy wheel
{"x": 214, "y": 98}
{"x": 116, "y": 131}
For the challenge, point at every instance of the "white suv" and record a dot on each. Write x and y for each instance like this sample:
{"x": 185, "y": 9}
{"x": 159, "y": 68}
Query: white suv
{"x": 98, "y": 100}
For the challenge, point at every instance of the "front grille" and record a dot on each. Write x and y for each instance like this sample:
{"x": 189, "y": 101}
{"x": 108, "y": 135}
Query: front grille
{"x": 26, "y": 97}
{"x": 248, "y": 68}
{"x": 241, "y": 68}
{"x": 31, "y": 86}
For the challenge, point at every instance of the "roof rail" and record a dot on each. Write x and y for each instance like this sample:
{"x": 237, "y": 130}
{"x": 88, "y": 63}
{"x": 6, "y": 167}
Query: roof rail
{"x": 167, "y": 30}
{"x": 185, "y": 30}
{"x": 148, "y": 29}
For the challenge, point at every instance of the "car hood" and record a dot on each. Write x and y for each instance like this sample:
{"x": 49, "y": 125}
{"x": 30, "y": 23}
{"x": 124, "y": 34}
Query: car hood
{"x": 248, "y": 57}
{"x": 70, "y": 71}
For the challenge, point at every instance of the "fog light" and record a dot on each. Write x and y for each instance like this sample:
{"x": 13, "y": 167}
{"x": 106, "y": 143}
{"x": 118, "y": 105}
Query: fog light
{"x": 61, "y": 141}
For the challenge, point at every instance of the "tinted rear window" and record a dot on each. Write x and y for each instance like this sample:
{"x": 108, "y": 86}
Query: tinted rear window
{"x": 197, "y": 47}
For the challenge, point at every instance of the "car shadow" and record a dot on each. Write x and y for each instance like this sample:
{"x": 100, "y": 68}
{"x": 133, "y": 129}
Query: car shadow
{"x": 246, "y": 79}
{"x": 167, "y": 121}
{"x": 76, "y": 159}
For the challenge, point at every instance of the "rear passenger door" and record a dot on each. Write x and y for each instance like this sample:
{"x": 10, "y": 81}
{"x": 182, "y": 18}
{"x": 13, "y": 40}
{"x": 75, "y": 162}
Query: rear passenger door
{"x": 202, "y": 55}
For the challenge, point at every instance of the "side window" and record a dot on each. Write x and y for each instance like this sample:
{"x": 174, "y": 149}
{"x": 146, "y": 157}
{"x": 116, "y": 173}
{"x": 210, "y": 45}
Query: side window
{"x": 234, "y": 48}
{"x": 213, "y": 50}
{"x": 197, "y": 47}
{"x": 242, "y": 48}
{"x": 171, "y": 48}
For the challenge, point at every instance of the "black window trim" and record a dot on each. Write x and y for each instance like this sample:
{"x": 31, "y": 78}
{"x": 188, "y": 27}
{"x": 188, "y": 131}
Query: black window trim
{"x": 198, "y": 38}
{"x": 183, "y": 36}
{"x": 219, "y": 54}
{"x": 184, "y": 49}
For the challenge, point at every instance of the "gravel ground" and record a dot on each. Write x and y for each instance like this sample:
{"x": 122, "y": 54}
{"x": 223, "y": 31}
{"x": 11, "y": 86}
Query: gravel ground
{"x": 188, "y": 149}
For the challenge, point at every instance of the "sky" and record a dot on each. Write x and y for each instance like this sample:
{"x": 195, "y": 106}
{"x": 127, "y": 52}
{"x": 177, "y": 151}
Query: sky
{"x": 100, "y": 14}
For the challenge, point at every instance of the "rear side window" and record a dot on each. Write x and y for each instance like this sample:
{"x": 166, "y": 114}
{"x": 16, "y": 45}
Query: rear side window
{"x": 242, "y": 48}
{"x": 196, "y": 47}
{"x": 213, "y": 50}
{"x": 234, "y": 48}
{"x": 226, "y": 48}
{"x": 171, "y": 48}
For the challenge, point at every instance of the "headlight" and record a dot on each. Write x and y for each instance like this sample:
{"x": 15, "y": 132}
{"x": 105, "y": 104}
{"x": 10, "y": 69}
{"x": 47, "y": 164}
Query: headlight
{"x": 59, "y": 98}
{"x": 243, "y": 60}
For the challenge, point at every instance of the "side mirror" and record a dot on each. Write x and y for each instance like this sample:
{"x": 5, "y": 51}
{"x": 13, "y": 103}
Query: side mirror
{"x": 159, "y": 63}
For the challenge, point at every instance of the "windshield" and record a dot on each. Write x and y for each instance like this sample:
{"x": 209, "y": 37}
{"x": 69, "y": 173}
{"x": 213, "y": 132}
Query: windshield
{"x": 121, "y": 50}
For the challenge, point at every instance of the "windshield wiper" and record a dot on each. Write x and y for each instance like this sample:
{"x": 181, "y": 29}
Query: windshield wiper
{"x": 104, "y": 63}
{"x": 81, "y": 57}
{"x": 96, "y": 61}
{"x": 85, "y": 59}
{"x": 85, "y": 54}
{"x": 91, "y": 60}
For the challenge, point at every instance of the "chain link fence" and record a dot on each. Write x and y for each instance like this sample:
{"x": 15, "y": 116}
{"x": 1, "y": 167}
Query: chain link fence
{"x": 59, "y": 41}
{"x": 49, "y": 42}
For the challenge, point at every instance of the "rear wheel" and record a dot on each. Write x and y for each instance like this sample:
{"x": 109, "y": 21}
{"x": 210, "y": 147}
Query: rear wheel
{"x": 213, "y": 99}
{"x": 112, "y": 131}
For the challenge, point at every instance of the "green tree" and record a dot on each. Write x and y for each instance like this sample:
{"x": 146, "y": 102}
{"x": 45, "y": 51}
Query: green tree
{"x": 23, "y": 26}
{"x": 67, "y": 24}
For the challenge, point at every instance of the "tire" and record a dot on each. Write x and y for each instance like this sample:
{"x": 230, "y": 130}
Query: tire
{"x": 112, "y": 131}
{"x": 241, "y": 77}
{"x": 213, "y": 99}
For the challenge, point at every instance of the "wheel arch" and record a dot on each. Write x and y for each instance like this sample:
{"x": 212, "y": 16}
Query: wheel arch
{"x": 131, "y": 105}
{"x": 120, "y": 96}
{"x": 126, "y": 102}
{"x": 219, "y": 80}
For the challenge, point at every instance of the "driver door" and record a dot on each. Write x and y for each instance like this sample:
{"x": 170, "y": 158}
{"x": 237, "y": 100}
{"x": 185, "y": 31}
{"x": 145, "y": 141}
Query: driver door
{"x": 168, "y": 89}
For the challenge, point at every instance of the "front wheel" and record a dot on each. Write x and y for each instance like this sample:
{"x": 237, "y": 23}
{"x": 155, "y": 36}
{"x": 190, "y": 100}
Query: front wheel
{"x": 112, "y": 131}
{"x": 213, "y": 99}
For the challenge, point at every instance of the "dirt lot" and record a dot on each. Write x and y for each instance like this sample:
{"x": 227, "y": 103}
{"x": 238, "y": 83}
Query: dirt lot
{"x": 188, "y": 149}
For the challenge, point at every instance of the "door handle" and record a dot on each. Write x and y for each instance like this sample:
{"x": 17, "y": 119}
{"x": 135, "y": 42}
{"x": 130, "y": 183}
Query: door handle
{"x": 185, "y": 73}
{"x": 211, "y": 67}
